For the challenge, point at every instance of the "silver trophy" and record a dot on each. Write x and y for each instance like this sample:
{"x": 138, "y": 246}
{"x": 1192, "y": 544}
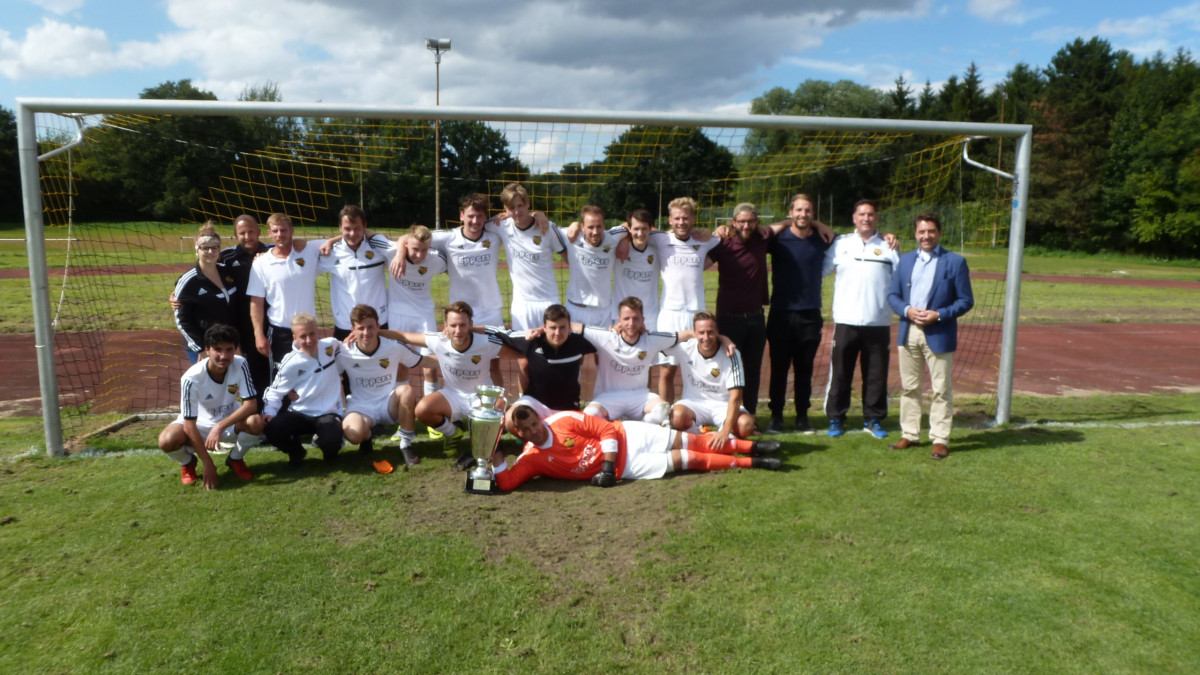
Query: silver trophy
{"x": 485, "y": 423}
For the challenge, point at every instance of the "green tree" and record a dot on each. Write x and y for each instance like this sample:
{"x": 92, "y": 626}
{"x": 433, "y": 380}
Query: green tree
{"x": 647, "y": 166}
{"x": 901, "y": 99}
{"x": 10, "y": 170}
{"x": 160, "y": 169}
{"x": 1085, "y": 85}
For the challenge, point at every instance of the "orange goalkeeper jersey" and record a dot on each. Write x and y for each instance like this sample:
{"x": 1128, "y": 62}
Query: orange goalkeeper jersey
{"x": 573, "y": 451}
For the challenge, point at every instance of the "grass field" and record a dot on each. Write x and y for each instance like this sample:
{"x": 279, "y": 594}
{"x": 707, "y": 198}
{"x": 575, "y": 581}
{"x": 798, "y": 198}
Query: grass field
{"x": 1068, "y": 548}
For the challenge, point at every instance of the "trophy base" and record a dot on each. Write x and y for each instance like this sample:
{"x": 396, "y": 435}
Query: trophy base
{"x": 481, "y": 485}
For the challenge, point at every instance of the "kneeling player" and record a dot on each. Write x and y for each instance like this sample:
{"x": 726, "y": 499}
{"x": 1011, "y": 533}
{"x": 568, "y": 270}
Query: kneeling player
{"x": 713, "y": 383}
{"x": 217, "y": 402}
{"x": 464, "y": 358}
{"x": 310, "y": 370}
{"x": 370, "y": 364}
{"x": 574, "y": 446}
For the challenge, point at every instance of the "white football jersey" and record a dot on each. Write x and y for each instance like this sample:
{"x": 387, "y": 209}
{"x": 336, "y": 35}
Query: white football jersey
{"x": 531, "y": 260}
{"x": 591, "y": 283}
{"x": 708, "y": 379}
{"x": 288, "y": 284}
{"x": 208, "y": 401}
{"x": 373, "y": 376}
{"x": 472, "y": 267}
{"x": 316, "y": 380}
{"x": 624, "y": 366}
{"x": 411, "y": 296}
{"x": 467, "y": 369}
{"x": 358, "y": 277}
{"x": 682, "y": 270}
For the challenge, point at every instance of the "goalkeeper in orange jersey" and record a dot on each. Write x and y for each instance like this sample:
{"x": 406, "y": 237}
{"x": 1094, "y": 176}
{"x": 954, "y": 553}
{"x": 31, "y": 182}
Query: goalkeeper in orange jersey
{"x": 574, "y": 446}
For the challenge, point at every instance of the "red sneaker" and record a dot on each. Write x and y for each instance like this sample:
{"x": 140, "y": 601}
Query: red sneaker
{"x": 240, "y": 469}
{"x": 187, "y": 472}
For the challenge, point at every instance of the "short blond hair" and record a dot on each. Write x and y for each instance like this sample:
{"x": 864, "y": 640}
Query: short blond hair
{"x": 303, "y": 319}
{"x": 278, "y": 218}
{"x": 420, "y": 234}
{"x": 684, "y": 203}
{"x": 511, "y": 192}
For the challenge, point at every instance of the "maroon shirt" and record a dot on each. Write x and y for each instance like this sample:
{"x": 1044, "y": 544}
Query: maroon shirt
{"x": 742, "y": 274}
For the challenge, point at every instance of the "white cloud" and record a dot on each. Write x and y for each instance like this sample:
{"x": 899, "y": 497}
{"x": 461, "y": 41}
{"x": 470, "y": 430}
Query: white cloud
{"x": 59, "y": 7}
{"x": 601, "y": 54}
{"x": 55, "y": 49}
{"x": 1004, "y": 11}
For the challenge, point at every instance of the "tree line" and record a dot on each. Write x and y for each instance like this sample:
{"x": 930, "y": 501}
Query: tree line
{"x": 1116, "y": 155}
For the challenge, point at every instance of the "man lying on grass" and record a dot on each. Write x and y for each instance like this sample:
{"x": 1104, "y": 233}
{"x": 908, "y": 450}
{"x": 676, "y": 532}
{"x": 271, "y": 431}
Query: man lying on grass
{"x": 573, "y": 446}
{"x": 217, "y": 405}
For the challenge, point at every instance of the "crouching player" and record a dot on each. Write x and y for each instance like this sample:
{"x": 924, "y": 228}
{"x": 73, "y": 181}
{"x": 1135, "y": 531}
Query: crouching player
{"x": 713, "y": 384}
{"x": 574, "y": 446}
{"x": 376, "y": 397}
{"x": 310, "y": 371}
{"x": 216, "y": 402}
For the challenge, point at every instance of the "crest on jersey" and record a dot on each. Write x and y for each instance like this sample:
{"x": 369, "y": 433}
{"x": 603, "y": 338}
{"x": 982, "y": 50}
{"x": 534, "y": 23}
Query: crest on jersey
{"x": 878, "y": 251}
{"x": 569, "y": 443}
{"x": 232, "y": 388}
{"x": 695, "y": 247}
{"x": 607, "y": 249}
{"x": 329, "y": 350}
{"x": 487, "y": 243}
{"x": 641, "y": 355}
{"x": 300, "y": 262}
{"x": 369, "y": 255}
{"x": 715, "y": 372}
{"x": 384, "y": 362}
{"x": 476, "y": 359}
{"x": 229, "y": 280}
{"x": 650, "y": 259}
{"x": 537, "y": 240}
{"x": 422, "y": 270}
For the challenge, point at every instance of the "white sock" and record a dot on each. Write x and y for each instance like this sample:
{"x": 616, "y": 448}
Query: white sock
{"x": 683, "y": 454}
{"x": 447, "y": 427}
{"x": 245, "y": 441}
{"x": 181, "y": 455}
{"x": 657, "y": 415}
{"x": 430, "y": 387}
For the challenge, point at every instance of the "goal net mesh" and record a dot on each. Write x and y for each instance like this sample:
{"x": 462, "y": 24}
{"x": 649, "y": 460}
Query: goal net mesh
{"x": 117, "y": 350}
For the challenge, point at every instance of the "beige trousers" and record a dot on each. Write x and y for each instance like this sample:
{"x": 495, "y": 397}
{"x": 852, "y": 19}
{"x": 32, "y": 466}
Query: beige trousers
{"x": 913, "y": 356}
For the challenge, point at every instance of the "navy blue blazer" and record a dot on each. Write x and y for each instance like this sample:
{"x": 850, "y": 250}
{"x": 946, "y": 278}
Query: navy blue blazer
{"x": 951, "y": 297}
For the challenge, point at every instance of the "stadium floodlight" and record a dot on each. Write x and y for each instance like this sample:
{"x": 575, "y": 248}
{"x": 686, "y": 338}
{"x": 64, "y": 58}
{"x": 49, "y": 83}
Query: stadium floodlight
{"x": 437, "y": 46}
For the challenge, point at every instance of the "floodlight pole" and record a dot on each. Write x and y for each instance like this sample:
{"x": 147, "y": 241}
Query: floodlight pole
{"x": 437, "y": 46}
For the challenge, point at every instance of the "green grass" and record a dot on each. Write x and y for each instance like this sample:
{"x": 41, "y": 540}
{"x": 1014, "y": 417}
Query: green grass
{"x": 1041, "y": 549}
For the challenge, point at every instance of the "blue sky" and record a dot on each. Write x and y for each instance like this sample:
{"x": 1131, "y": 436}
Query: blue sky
{"x": 673, "y": 55}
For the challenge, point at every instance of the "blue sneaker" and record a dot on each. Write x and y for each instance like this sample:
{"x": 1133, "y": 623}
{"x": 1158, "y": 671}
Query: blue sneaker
{"x": 835, "y": 429}
{"x": 874, "y": 428}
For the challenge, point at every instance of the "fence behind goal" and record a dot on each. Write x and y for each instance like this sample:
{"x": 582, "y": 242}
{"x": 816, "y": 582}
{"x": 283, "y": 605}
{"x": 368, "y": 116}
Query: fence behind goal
{"x": 116, "y": 351}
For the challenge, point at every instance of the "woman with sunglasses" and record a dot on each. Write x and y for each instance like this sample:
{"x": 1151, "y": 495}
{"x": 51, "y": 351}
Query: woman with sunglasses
{"x": 205, "y": 293}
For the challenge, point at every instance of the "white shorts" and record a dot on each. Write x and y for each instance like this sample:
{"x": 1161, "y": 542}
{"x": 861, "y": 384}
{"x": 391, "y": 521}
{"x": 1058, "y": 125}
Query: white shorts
{"x": 598, "y": 317}
{"x": 407, "y": 323}
{"x": 627, "y": 405}
{"x": 487, "y": 316}
{"x": 228, "y": 436}
{"x": 647, "y": 451}
{"x": 376, "y": 412}
{"x": 526, "y": 315}
{"x": 708, "y": 412}
{"x": 460, "y": 403}
{"x": 673, "y": 321}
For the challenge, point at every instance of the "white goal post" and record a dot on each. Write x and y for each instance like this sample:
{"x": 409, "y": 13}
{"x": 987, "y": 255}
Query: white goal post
{"x": 35, "y": 225}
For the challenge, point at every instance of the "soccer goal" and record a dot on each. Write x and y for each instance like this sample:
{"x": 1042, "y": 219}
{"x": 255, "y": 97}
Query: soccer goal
{"x": 104, "y": 334}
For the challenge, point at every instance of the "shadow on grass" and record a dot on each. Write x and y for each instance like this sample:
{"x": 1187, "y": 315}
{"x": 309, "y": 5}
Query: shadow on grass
{"x": 977, "y": 441}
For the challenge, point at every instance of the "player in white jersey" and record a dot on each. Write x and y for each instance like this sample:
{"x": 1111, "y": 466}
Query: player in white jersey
{"x": 216, "y": 402}
{"x": 530, "y": 258}
{"x": 410, "y": 296}
{"x": 713, "y": 385}
{"x": 684, "y": 258}
{"x": 593, "y": 255}
{"x": 637, "y": 275}
{"x": 463, "y": 357}
{"x": 310, "y": 371}
{"x": 377, "y": 394}
{"x": 357, "y": 267}
{"x": 283, "y": 283}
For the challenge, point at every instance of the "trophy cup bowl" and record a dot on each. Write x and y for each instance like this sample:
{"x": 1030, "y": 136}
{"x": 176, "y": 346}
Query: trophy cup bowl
{"x": 485, "y": 424}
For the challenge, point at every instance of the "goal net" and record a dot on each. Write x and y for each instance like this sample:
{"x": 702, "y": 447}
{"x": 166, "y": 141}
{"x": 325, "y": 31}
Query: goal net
{"x": 117, "y": 351}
